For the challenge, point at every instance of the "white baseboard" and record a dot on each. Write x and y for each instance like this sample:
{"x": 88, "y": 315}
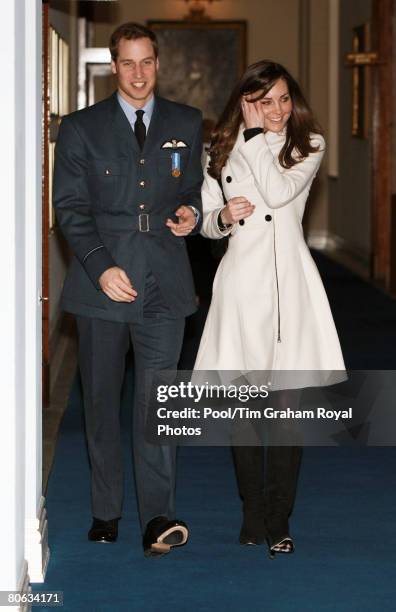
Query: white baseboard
{"x": 322, "y": 240}
{"x": 351, "y": 257}
{"x": 37, "y": 550}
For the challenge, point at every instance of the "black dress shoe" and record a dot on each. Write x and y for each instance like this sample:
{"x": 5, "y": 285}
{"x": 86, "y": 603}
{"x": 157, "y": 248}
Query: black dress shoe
{"x": 161, "y": 534}
{"x": 103, "y": 531}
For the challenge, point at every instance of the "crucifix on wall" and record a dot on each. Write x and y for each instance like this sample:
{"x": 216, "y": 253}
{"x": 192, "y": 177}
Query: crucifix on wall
{"x": 361, "y": 59}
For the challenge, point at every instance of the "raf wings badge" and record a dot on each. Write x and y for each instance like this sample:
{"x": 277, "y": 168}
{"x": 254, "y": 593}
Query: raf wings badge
{"x": 174, "y": 144}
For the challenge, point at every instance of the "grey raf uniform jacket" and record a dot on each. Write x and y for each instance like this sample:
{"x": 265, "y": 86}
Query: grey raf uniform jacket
{"x": 112, "y": 201}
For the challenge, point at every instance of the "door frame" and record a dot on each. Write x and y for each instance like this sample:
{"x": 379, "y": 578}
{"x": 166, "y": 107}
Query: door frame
{"x": 45, "y": 296}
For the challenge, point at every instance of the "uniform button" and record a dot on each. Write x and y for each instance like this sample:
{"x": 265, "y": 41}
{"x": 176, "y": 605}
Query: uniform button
{"x": 242, "y": 222}
{"x": 228, "y": 179}
{"x": 142, "y": 206}
{"x": 141, "y": 162}
{"x": 268, "y": 218}
{"x": 107, "y": 171}
{"x": 142, "y": 183}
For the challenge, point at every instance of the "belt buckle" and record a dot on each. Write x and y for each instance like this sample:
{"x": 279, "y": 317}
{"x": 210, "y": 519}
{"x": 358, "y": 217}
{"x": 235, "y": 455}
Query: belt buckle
{"x": 144, "y": 225}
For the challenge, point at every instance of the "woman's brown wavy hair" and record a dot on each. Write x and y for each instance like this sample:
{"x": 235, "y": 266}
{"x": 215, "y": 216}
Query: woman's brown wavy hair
{"x": 260, "y": 78}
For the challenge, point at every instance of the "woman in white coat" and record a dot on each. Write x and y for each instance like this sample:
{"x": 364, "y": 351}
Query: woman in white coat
{"x": 269, "y": 310}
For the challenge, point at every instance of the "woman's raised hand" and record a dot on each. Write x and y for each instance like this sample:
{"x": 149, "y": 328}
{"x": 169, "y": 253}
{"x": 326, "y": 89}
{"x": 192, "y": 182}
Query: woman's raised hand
{"x": 236, "y": 209}
{"x": 253, "y": 115}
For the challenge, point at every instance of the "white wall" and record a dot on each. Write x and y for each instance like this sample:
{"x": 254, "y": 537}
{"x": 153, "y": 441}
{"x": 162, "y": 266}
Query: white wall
{"x": 20, "y": 367}
{"x": 12, "y": 333}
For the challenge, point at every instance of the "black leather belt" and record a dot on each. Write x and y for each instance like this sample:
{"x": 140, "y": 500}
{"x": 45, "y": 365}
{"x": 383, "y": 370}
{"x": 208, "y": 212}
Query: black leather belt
{"x": 144, "y": 222}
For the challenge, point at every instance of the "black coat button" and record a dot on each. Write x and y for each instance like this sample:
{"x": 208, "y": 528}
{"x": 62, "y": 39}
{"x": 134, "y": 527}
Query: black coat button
{"x": 242, "y": 222}
{"x": 228, "y": 179}
{"x": 268, "y": 218}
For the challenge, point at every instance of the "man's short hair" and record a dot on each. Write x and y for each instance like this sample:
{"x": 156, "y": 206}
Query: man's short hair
{"x": 131, "y": 31}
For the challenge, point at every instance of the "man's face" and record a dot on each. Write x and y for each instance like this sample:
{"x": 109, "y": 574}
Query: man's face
{"x": 136, "y": 68}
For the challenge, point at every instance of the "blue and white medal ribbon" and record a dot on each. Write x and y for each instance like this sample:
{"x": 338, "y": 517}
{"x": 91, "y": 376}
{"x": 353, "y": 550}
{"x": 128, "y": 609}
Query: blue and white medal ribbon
{"x": 176, "y": 164}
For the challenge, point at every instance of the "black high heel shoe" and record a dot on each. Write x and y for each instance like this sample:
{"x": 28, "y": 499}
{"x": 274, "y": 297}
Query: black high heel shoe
{"x": 279, "y": 541}
{"x": 283, "y": 546}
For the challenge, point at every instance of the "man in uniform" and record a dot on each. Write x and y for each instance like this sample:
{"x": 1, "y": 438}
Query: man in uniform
{"x": 126, "y": 192}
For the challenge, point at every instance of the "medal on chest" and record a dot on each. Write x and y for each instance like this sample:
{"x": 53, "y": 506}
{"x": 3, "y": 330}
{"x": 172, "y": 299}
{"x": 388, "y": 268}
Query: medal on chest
{"x": 176, "y": 172}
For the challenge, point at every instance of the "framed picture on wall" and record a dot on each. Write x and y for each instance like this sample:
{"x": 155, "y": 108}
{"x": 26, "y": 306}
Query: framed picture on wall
{"x": 200, "y": 62}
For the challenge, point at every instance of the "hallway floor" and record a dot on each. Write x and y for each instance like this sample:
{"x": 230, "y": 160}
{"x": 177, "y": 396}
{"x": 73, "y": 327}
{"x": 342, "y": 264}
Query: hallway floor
{"x": 343, "y": 523}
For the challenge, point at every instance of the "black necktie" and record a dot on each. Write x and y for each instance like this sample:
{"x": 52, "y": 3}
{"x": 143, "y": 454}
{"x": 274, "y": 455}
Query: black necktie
{"x": 140, "y": 128}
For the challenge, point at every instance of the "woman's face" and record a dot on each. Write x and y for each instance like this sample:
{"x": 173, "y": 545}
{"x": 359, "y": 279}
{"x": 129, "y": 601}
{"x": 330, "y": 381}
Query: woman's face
{"x": 276, "y": 106}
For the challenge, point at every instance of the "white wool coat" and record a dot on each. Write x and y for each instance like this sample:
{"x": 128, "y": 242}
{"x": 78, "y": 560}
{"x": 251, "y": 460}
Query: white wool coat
{"x": 269, "y": 309}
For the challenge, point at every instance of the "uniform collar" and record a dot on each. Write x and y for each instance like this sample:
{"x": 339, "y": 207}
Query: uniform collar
{"x": 130, "y": 110}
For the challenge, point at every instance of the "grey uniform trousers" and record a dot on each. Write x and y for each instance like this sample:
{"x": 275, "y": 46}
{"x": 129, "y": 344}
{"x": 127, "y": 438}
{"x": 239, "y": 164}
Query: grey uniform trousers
{"x": 103, "y": 345}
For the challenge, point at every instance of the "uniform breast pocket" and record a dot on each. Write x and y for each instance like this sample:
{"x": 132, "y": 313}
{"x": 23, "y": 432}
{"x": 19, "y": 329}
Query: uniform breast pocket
{"x": 173, "y": 163}
{"x": 108, "y": 181}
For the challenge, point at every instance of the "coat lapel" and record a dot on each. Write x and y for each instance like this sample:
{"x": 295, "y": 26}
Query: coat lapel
{"x": 237, "y": 166}
{"x": 155, "y": 132}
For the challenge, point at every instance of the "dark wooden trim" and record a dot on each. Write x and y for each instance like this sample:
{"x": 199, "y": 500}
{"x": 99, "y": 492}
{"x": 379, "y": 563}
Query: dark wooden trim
{"x": 45, "y": 212}
{"x": 382, "y": 110}
{"x": 392, "y": 281}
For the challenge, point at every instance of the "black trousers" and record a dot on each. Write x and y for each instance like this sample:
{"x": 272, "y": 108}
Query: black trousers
{"x": 267, "y": 477}
{"x": 103, "y": 346}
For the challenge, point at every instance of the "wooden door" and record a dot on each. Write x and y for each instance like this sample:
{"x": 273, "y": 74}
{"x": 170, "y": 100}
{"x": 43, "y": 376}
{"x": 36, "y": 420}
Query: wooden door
{"x": 383, "y": 265}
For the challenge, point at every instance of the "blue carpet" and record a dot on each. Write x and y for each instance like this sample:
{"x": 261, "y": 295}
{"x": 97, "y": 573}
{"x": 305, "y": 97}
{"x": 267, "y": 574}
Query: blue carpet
{"x": 343, "y": 523}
